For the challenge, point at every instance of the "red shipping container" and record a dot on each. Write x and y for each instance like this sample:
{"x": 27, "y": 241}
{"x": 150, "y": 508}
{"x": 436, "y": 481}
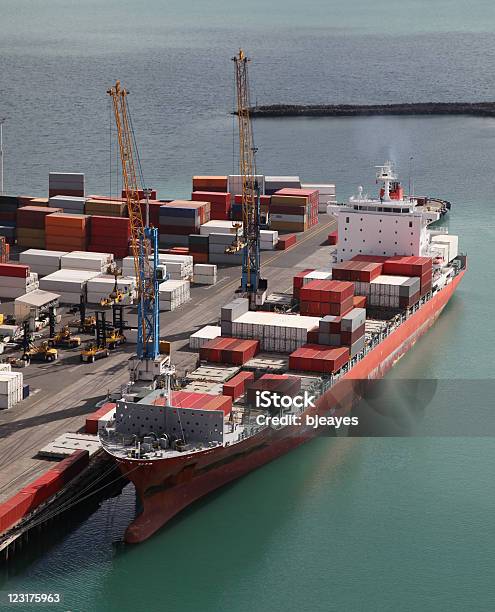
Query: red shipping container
{"x": 14, "y": 270}
{"x": 407, "y": 266}
{"x": 92, "y": 419}
{"x": 328, "y": 291}
{"x": 298, "y": 281}
{"x": 279, "y": 383}
{"x": 357, "y": 271}
{"x": 52, "y": 481}
{"x": 229, "y": 350}
{"x": 321, "y": 309}
{"x": 202, "y": 401}
{"x": 235, "y": 386}
{"x": 370, "y": 258}
{"x": 405, "y": 302}
{"x": 425, "y": 287}
{"x": 25, "y": 200}
{"x": 313, "y": 195}
{"x": 347, "y": 337}
{"x": 316, "y": 358}
{"x": 284, "y": 242}
{"x": 220, "y": 203}
{"x": 33, "y": 217}
{"x": 71, "y": 466}
{"x": 14, "y": 509}
{"x": 359, "y": 301}
{"x": 39, "y": 493}
{"x": 154, "y": 211}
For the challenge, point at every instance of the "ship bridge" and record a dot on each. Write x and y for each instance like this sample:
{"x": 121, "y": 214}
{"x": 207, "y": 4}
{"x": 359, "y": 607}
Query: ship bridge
{"x": 390, "y": 225}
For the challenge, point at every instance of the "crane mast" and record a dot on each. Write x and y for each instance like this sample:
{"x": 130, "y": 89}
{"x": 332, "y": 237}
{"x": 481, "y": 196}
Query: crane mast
{"x": 251, "y": 283}
{"x": 144, "y": 240}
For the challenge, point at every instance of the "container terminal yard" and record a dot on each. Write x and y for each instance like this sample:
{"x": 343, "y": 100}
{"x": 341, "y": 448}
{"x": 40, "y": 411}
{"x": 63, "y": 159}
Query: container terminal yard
{"x": 64, "y": 392}
{"x": 136, "y": 331}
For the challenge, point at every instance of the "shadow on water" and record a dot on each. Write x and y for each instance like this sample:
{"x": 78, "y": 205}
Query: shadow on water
{"x": 44, "y": 540}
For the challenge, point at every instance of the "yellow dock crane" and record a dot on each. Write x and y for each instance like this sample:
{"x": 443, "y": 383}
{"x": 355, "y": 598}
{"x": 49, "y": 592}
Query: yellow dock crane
{"x": 147, "y": 363}
{"x": 252, "y": 285}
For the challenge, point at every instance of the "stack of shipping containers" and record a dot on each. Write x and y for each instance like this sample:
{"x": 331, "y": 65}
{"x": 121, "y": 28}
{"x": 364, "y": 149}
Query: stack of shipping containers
{"x": 180, "y": 218}
{"x": 67, "y": 232}
{"x": 326, "y": 297}
{"x": 31, "y": 226}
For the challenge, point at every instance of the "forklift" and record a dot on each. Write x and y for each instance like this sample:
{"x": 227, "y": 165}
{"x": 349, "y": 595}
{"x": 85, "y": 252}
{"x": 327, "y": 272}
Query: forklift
{"x": 62, "y": 338}
{"x": 97, "y": 349}
{"x": 33, "y": 352}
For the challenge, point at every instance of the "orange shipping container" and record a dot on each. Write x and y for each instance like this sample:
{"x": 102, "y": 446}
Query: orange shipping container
{"x": 65, "y": 231}
{"x": 210, "y": 183}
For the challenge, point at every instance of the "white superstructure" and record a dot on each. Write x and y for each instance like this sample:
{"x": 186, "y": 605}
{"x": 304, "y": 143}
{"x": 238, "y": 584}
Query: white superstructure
{"x": 391, "y": 225}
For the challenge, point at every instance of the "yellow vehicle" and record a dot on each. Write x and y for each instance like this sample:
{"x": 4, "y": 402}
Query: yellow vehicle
{"x": 116, "y": 296}
{"x": 41, "y": 352}
{"x": 88, "y": 325}
{"x": 115, "y": 338}
{"x": 65, "y": 339}
{"x": 91, "y": 352}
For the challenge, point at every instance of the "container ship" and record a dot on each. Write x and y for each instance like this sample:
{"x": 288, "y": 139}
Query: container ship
{"x": 391, "y": 276}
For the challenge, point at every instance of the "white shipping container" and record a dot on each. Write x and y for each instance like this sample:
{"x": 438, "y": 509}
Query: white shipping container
{"x": 326, "y": 194}
{"x": 276, "y": 332}
{"x": 14, "y": 282}
{"x": 105, "y": 419}
{"x": 235, "y": 182}
{"x": 449, "y": 239}
{"x": 269, "y": 236}
{"x": 15, "y": 292}
{"x": 68, "y": 283}
{"x": 173, "y": 293}
{"x": 71, "y": 298}
{"x": 317, "y": 275}
{"x": 103, "y": 281}
{"x": 85, "y": 260}
{"x": 204, "y": 335}
{"x": 7, "y": 401}
{"x": 218, "y": 227}
{"x": 11, "y": 384}
{"x": 198, "y": 279}
{"x": 5, "y": 367}
{"x": 439, "y": 249}
{"x": 205, "y": 269}
{"x": 325, "y": 189}
{"x": 34, "y": 257}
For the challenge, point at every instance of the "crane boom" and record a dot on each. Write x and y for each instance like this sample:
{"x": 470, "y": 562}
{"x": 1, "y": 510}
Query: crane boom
{"x": 144, "y": 240}
{"x": 251, "y": 282}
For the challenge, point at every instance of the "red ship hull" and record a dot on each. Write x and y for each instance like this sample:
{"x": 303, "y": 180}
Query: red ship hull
{"x": 167, "y": 486}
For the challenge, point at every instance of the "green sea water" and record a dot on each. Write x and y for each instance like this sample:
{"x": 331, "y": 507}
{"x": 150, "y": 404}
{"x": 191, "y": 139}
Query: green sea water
{"x": 378, "y": 523}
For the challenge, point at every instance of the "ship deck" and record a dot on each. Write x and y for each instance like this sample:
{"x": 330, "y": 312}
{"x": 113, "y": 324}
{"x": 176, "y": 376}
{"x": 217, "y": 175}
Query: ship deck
{"x": 64, "y": 393}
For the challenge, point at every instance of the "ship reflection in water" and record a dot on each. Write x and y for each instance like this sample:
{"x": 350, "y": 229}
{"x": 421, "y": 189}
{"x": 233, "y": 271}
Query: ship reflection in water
{"x": 425, "y": 408}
